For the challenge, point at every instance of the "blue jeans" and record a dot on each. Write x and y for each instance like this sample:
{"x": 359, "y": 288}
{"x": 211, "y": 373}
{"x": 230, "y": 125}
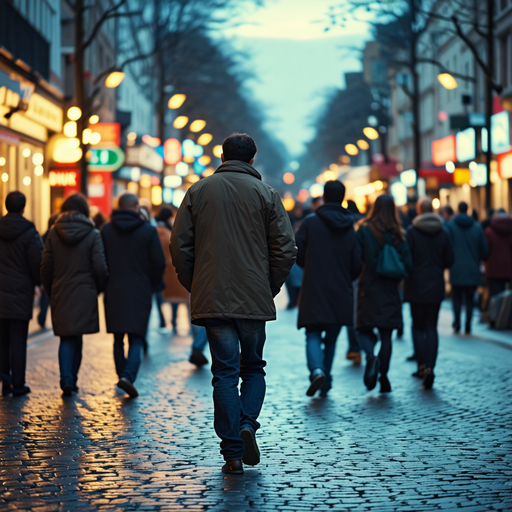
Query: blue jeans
{"x": 322, "y": 358}
{"x": 70, "y": 358}
{"x": 200, "y": 338}
{"x": 127, "y": 367}
{"x": 353, "y": 344}
{"x": 159, "y": 299}
{"x": 236, "y": 346}
{"x": 367, "y": 341}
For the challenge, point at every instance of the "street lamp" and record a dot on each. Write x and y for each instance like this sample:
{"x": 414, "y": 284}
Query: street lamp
{"x": 447, "y": 81}
{"x": 177, "y": 101}
{"x": 180, "y": 122}
{"x": 217, "y": 151}
{"x": 351, "y": 149}
{"x": 197, "y": 125}
{"x": 371, "y": 133}
{"x": 74, "y": 113}
{"x": 363, "y": 144}
{"x": 114, "y": 79}
{"x": 204, "y": 139}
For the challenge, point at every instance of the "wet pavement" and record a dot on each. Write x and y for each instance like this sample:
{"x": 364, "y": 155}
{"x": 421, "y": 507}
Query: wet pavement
{"x": 413, "y": 450}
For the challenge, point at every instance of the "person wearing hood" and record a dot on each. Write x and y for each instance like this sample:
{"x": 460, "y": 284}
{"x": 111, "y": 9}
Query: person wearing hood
{"x": 431, "y": 253}
{"x": 136, "y": 262}
{"x": 20, "y": 257}
{"x": 73, "y": 272}
{"x": 330, "y": 256}
{"x": 470, "y": 249}
{"x": 233, "y": 246}
{"x": 379, "y": 304}
{"x": 498, "y": 268}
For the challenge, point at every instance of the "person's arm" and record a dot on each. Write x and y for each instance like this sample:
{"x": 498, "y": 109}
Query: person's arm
{"x": 356, "y": 260}
{"x": 157, "y": 261}
{"x": 484, "y": 248}
{"x": 405, "y": 253}
{"x": 281, "y": 245}
{"x": 99, "y": 262}
{"x": 47, "y": 267}
{"x": 182, "y": 245}
{"x": 301, "y": 239}
{"x": 448, "y": 256}
{"x": 360, "y": 242}
{"x": 34, "y": 256}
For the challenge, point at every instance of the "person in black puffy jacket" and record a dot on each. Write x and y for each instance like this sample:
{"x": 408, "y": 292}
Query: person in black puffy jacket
{"x": 20, "y": 256}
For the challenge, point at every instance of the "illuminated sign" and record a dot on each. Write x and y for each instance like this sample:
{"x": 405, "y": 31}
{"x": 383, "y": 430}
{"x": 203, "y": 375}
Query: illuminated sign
{"x": 151, "y": 141}
{"x": 172, "y": 151}
{"x": 461, "y": 176}
{"x": 44, "y": 112}
{"x": 64, "y": 178}
{"x": 408, "y": 178}
{"x": 188, "y": 148}
{"x": 110, "y": 133}
{"x": 106, "y": 159}
{"x": 444, "y": 150}
{"x": 466, "y": 145}
{"x": 500, "y": 133}
{"x": 144, "y": 156}
{"x": 399, "y": 193}
{"x": 478, "y": 174}
{"x": 505, "y": 165}
{"x": 63, "y": 153}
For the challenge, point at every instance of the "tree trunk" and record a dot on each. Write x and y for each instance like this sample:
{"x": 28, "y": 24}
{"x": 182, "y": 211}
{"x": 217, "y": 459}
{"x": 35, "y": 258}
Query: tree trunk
{"x": 161, "y": 96}
{"x": 80, "y": 96}
{"x": 489, "y": 98}
{"x": 415, "y": 97}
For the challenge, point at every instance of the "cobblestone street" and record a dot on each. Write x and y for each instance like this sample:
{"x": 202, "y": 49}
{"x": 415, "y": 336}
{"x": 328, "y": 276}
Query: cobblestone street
{"x": 411, "y": 450}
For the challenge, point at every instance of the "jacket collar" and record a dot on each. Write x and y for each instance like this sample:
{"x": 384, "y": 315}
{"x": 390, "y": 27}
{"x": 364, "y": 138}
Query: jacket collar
{"x": 239, "y": 166}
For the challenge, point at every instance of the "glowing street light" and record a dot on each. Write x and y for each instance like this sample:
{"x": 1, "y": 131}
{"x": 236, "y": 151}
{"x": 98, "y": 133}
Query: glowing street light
{"x": 371, "y": 133}
{"x": 74, "y": 113}
{"x": 447, "y": 81}
{"x": 114, "y": 79}
{"x": 330, "y": 176}
{"x": 217, "y": 151}
{"x": 351, "y": 149}
{"x": 180, "y": 122}
{"x": 176, "y": 101}
{"x": 288, "y": 178}
{"x": 363, "y": 144}
{"x": 204, "y": 139}
{"x": 94, "y": 119}
{"x": 197, "y": 125}
{"x": 70, "y": 129}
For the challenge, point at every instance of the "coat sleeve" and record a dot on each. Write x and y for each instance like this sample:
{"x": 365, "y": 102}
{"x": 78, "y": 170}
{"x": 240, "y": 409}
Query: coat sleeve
{"x": 99, "y": 262}
{"x": 34, "y": 256}
{"x": 484, "y": 248}
{"x": 360, "y": 242}
{"x": 281, "y": 245}
{"x": 301, "y": 239}
{"x": 356, "y": 261}
{"x": 47, "y": 267}
{"x": 405, "y": 253}
{"x": 448, "y": 256}
{"x": 182, "y": 244}
{"x": 157, "y": 261}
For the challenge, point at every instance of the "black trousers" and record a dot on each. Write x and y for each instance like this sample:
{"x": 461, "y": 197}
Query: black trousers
{"x": 424, "y": 333}
{"x": 466, "y": 294}
{"x": 497, "y": 286}
{"x": 13, "y": 351}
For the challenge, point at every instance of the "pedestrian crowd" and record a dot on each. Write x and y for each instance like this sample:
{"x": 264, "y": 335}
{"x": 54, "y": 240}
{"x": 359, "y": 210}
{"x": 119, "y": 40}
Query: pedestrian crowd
{"x": 225, "y": 257}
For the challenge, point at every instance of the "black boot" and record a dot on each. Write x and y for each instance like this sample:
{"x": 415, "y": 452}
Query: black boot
{"x": 233, "y": 467}
{"x": 385, "y": 386}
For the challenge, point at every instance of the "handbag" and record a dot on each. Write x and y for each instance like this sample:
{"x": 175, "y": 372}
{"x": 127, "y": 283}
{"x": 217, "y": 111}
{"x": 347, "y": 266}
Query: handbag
{"x": 389, "y": 263}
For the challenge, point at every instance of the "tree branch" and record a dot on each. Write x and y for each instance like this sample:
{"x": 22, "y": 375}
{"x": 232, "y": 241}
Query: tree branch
{"x": 443, "y": 68}
{"x": 104, "y": 17}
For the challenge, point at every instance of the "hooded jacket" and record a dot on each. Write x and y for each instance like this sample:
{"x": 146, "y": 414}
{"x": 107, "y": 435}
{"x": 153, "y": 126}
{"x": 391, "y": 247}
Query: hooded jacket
{"x": 378, "y": 301}
{"x": 73, "y": 272}
{"x": 232, "y": 245}
{"x": 469, "y": 248}
{"x": 499, "y": 239}
{"x": 20, "y": 257}
{"x": 431, "y": 253}
{"x": 331, "y": 258}
{"x": 136, "y": 264}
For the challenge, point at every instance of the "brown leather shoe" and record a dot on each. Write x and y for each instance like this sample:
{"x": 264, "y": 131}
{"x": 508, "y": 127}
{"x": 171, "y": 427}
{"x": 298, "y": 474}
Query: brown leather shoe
{"x": 233, "y": 467}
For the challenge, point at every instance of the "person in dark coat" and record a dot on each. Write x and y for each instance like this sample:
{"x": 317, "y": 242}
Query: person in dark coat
{"x": 498, "y": 268}
{"x": 379, "y": 304}
{"x": 431, "y": 253}
{"x": 73, "y": 272}
{"x": 20, "y": 257}
{"x": 330, "y": 256}
{"x": 470, "y": 249}
{"x": 136, "y": 263}
{"x": 233, "y": 246}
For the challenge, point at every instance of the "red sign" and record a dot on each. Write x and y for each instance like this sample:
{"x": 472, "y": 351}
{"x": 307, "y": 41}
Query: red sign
{"x": 505, "y": 165}
{"x": 64, "y": 178}
{"x": 172, "y": 151}
{"x": 444, "y": 150}
{"x": 110, "y": 133}
{"x": 386, "y": 169}
{"x": 441, "y": 175}
{"x": 100, "y": 191}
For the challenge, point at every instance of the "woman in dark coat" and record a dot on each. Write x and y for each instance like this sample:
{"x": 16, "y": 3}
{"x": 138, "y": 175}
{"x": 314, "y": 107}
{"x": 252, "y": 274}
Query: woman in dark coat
{"x": 73, "y": 272}
{"x": 378, "y": 302}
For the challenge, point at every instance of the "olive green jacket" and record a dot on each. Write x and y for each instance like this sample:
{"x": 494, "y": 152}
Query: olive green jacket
{"x": 232, "y": 245}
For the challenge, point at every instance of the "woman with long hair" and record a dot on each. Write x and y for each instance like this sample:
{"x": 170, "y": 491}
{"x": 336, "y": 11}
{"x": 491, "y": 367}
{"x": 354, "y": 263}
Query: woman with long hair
{"x": 73, "y": 272}
{"x": 379, "y": 304}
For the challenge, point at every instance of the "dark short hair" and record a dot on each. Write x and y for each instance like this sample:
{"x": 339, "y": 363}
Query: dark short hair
{"x": 334, "y": 192}
{"x": 164, "y": 214}
{"x": 352, "y": 207}
{"x": 448, "y": 209}
{"x": 463, "y": 207}
{"x": 15, "y": 202}
{"x": 316, "y": 199}
{"x": 128, "y": 200}
{"x": 76, "y": 203}
{"x": 239, "y": 146}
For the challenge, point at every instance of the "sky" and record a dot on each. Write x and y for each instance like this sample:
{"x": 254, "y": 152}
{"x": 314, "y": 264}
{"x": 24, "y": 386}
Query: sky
{"x": 295, "y": 63}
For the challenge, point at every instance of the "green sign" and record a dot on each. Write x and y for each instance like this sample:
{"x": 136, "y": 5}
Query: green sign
{"x": 106, "y": 159}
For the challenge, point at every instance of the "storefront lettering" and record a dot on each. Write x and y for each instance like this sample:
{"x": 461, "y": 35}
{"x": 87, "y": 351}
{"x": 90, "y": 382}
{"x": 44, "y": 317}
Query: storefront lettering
{"x": 63, "y": 179}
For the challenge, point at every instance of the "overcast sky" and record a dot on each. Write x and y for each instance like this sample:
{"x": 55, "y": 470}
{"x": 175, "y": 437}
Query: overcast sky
{"x": 295, "y": 63}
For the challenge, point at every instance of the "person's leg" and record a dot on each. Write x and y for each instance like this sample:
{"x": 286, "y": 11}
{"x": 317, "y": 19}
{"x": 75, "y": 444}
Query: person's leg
{"x": 159, "y": 299}
{"x": 366, "y": 342}
{"x": 135, "y": 349}
{"x": 44, "y": 302}
{"x": 331, "y": 336}
{"x": 67, "y": 349}
{"x": 418, "y": 313}
{"x": 314, "y": 352}
{"x": 469, "y": 297}
{"x": 385, "y": 350}
{"x": 353, "y": 344}
{"x": 119, "y": 358}
{"x": 18, "y": 338}
{"x": 432, "y": 338}
{"x": 5, "y": 352}
{"x": 174, "y": 307}
{"x": 200, "y": 338}
{"x": 77, "y": 358}
{"x": 225, "y": 350}
{"x": 457, "y": 304}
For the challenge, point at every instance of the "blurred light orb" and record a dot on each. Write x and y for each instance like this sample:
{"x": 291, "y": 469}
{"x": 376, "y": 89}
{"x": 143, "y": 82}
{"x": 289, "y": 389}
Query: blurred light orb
{"x": 114, "y": 79}
{"x": 205, "y": 139}
{"x": 449, "y": 166}
{"x": 172, "y": 181}
{"x": 95, "y": 138}
{"x": 74, "y": 113}
{"x": 351, "y": 149}
{"x": 205, "y": 160}
{"x": 442, "y": 116}
{"x": 5, "y": 177}
{"x": 288, "y": 178}
{"x": 363, "y": 144}
{"x": 94, "y": 119}
{"x": 38, "y": 170}
{"x": 217, "y": 151}
{"x": 447, "y": 81}
{"x": 371, "y": 133}
{"x": 330, "y": 176}
{"x": 436, "y": 203}
{"x": 38, "y": 159}
{"x": 180, "y": 122}
{"x": 316, "y": 190}
{"x": 181, "y": 169}
{"x": 27, "y": 181}
{"x": 2, "y": 161}
{"x": 197, "y": 125}
{"x": 294, "y": 165}
{"x": 70, "y": 129}
{"x": 176, "y": 101}
{"x": 288, "y": 204}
